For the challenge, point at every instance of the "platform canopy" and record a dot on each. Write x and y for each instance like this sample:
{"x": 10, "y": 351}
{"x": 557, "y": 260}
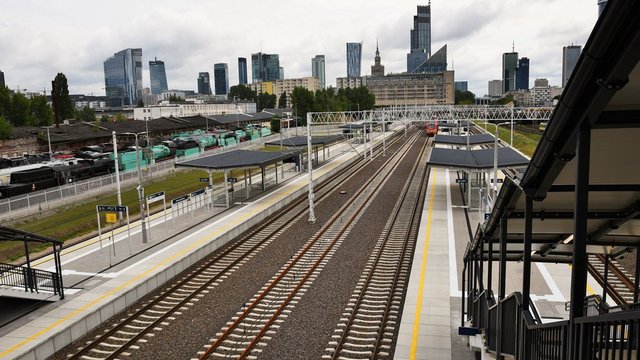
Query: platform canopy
{"x": 301, "y": 141}
{"x": 239, "y": 159}
{"x": 476, "y": 159}
{"x": 462, "y": 140}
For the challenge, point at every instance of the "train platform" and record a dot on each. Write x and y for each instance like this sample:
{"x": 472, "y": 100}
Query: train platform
{"x": 134, "y": 269}
{"x": 432, "y": 310}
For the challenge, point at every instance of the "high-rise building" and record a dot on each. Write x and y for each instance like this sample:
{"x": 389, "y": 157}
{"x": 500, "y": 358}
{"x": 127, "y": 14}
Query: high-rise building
{"x": 570, "y": 56}
{"x": 221, "y": 78}
{"x": 522, "y": 74}
{"x": 280, "y": 73}
{"x": 461, "y": 86}
{"x": 354, "y": 59}
{"x": 242, "y": 70}
{"x": 2, "y": 78}
{"x": 435, "y": 64}
{"x": 265, "y": 67}
{"x": 317, "y": 69}
{"x": 123, "y": 77}
{"x": 413, "y": 89}
{"x": 204, "y": 83}
{"x": 420, "y": 39}
{"x": 158, "y": 77}
{"x": 509, "y": 65}
{"x": 495, "y": 88}
{"x": 377, "y": 69}
{"x": 601, "y": 5}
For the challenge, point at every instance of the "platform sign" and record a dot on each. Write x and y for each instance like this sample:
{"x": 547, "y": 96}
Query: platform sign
{"x": 111, "y": 208}
{"x": 197, "y": 192}
{"x": 486, "y": 216}
{"x": 112, "y": 217}
{"x": 232, "y": 180}
{"x": 461, "y": 181}
{"x": 204, "y": 180}
{"x": 159, "y": 196}
{"x": 500, "y": 181}
{"x": 155, "y": 197}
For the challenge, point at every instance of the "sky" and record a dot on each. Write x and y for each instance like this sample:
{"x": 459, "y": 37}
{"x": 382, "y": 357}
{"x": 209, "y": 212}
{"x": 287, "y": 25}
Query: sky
{"x": 39, "y": 38}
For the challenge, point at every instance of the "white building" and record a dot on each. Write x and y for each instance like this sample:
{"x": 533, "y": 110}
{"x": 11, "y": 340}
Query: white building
{"x": 185, "y": 110}
{"x": 351, "y": 82}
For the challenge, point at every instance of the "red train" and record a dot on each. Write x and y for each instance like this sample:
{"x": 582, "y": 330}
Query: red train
{"x": 431, "y": 128}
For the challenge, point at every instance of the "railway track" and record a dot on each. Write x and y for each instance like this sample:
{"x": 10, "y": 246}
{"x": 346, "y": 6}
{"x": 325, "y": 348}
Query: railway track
{"x": 370, "y": 321}
{"x": 258, "y": 321}
{"x": 157, "y": 313}
{"x": 620, "y": 283}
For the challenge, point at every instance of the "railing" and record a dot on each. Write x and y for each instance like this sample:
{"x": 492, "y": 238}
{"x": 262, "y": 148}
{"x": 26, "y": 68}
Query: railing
{"x": 29, "y": 279}
{"x": 35, "y": 202}
{"x": 608, "y": 336}
{"x": 548, "y": 341}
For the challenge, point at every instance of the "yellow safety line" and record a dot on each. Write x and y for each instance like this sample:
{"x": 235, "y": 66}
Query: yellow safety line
{"x": 423, "y": 270}
{"x": 67, "y": 317}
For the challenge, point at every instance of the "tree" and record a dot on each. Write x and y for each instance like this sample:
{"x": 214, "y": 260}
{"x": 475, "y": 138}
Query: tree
{"x": 120, "y": 117}
{"x": 140, "y": 103}
{"x": 61, "y": 100}
{"x": 465, "y": 98}
{"x": 5, "y": 129}
{"x": 86, "y": 114}
{"x": 20, "y": 112}
{"x": 41, "y": 112}
{"x": 104, "y": 118}
{"x": 242, "y": 92}
{"x": 5, "y": 102}
{"x": 175, "y": 99}
{"x": 266, "y": 101}
{"x": 275, "y": 124}
{"x": 303, "y": 101}
{"x": 282, "y": 102}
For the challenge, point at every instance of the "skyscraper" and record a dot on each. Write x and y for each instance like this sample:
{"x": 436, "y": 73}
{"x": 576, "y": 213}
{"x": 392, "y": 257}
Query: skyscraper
{"x": 354, "y": 59}
{"x": 123, "y": 77}
{"x": 570, "y": 56}
{"x": 204, "y": 84}
{"x": 317, "y": 69}
{"x": 435, "y": 64}
{"x": 265, "y": 67}
{"x": 495, "y": 88}
{"x": 377, "y": 69}
{"x": 242, "y": 70}
{"x": 2, "y": 78}
{"x": 158, "y": 77}
{"x": 509, "y": 65}
{"x": 420, "y": 39}
{"x": 221, "y": 78}
{"x": 522, "y": 74}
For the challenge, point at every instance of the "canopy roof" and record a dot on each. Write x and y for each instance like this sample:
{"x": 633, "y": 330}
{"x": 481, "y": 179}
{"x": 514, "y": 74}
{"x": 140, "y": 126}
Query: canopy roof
{"x": 238, "y": 159}
{"x": 602, "y": 94}
{"x": 462, "y": 140}
{"x": 300, "y": 141}
{"x": 476, "y": 159}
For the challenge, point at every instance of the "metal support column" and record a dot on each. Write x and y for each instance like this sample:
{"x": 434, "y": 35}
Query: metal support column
{"x": 579, "y": 261}
{"x": 463, "y": 293}
{"x": 526, "y": 266}
{"x": 490, "y": 266}
{"x": 276, "y": 173}
{"x": 263, "y": 173}
{"x": 481, "y": 270}
{"x": 312, "y": 216}
{"x": 637, "y": 279}
{"x": 502, "y": 282}
{"x": 606, "y": 278}
{"x": 226, "y": 191}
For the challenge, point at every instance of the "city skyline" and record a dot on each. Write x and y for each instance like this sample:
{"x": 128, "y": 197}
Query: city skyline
{"x": 78, "y": 49}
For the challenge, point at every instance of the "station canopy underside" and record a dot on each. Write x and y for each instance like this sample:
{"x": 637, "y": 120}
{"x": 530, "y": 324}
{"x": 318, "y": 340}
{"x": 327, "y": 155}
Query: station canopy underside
{"x": 476, "y": 159}
{"x": 301, "y": 141}
{"x": 462, "y": 140}
{"x": 239, "y": 159}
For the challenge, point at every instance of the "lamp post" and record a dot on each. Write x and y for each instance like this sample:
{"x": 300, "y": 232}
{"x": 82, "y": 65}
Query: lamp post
{"x": 49, "y": 142}
{"x": 140, "y": 189}
{"x": 495, "y": 161}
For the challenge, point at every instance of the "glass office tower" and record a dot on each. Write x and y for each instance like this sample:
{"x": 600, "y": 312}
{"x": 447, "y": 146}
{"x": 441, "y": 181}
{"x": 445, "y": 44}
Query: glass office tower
{"x": 570, "y": 56}
{"x": 242, "y": 71}
{"x": 420, "y": 39}
{"x": 509, "y": 65}
{"x": 221, "y": 78}
{"x": 204, "y": 83}
{"x": 317, "y": 69}
{"x": 158, "y": 77}
{"x": 265, "y": 67}
{"x": 354, "y": 59}
{"x": 123, "y": 77}
{"x": 522, "y": 74}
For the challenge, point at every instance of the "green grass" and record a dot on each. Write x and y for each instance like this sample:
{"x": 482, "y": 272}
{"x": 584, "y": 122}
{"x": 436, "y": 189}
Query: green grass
{"x": 77, "y": 220}
{"x": 526, "y": 142}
